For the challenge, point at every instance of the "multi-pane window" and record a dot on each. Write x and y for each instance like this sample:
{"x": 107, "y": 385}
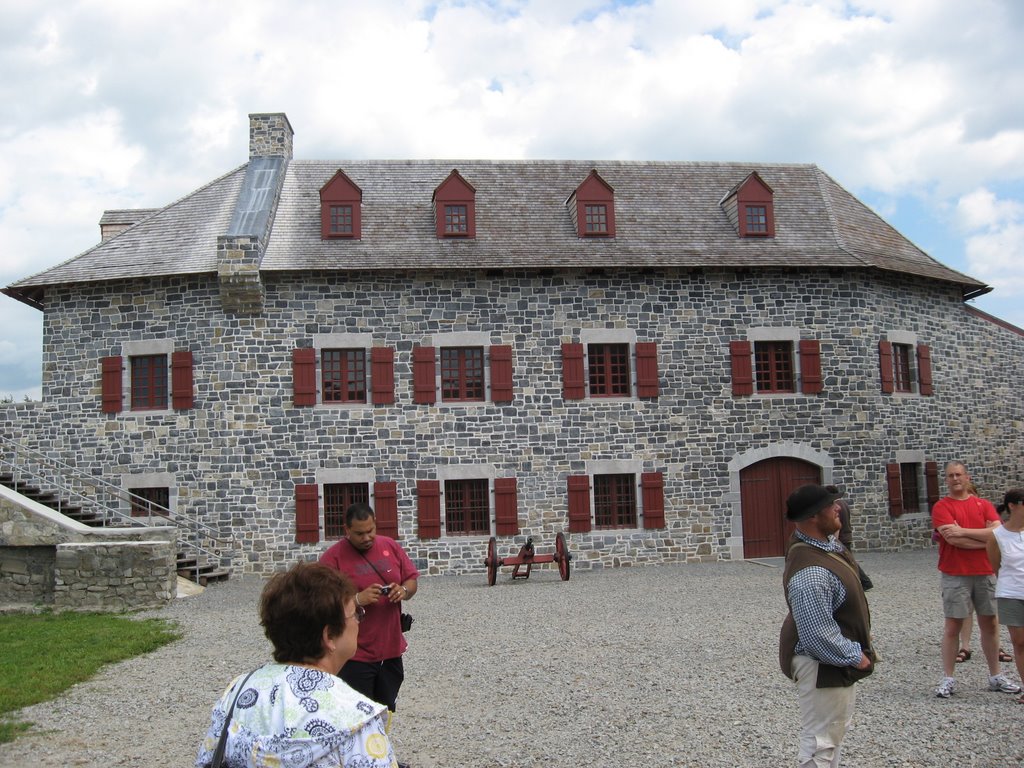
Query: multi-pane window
{"x": 756, "y": 219}
{"x": 150, "y": 501}
{"x": 608, "y": 366}
{"x": 615, "y": 501}
{"x": 343, "y": 375}
{"x": 149, "y": 382}
{"x": 466, "y": 509}
{"x": 462, "y": 373}
{"x": 901, "y": 356}
{"x": 909, "y": 487}
{"x": 456, "y": 220}
{"x": 337, "y": 498}
{"x": 596, "y": 219}
{"x": 773, "y": 366}
{"x": 341, "y": 220}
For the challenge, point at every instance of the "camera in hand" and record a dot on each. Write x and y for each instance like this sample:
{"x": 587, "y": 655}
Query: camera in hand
{"x": 385, "y": 589}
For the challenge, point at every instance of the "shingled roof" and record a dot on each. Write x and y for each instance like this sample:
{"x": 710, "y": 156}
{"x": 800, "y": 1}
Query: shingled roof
{"x": 668, "y": 214}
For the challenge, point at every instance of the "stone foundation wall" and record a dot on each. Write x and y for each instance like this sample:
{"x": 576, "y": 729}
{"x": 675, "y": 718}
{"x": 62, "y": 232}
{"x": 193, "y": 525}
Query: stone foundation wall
{"x": 26, "y": 575}
{"x": 49, "y": 560}
{"x": 114, "y": 576}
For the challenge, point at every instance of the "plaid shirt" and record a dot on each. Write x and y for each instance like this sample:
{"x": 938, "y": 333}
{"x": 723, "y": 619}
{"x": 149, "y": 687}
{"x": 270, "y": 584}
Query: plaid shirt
{"x": 815, "y": 594}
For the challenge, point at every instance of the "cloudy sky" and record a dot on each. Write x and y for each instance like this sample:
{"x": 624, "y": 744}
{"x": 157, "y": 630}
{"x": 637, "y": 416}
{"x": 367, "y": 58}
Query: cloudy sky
{"x": 913, "y": 105}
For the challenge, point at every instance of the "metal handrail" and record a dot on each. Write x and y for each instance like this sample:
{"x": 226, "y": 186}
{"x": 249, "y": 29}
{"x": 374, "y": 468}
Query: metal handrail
{"x": 59, "y": 479}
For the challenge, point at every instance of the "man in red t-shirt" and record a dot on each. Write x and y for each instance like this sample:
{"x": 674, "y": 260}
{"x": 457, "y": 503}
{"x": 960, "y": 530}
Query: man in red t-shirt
{"x": 965, "y": 524}
{"x": 385, "y": 576}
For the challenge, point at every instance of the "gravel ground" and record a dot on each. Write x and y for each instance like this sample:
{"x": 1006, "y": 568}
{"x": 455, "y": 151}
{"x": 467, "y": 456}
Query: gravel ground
{"x": 657, "y": 666}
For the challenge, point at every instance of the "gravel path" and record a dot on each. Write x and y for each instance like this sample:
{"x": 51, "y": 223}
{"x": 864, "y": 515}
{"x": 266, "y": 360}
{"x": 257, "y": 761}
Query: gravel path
{"x": 658, "y": 666}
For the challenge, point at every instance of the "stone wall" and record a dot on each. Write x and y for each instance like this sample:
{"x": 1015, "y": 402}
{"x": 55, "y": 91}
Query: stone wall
{"x": 239, "y": 453}
{"x": 49, "y": 560}
{"x": 114, "y": 575}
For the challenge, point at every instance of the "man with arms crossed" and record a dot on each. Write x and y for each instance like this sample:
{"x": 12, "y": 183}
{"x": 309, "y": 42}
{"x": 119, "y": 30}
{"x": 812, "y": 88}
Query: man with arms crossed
{"x": 825, "y": 643}
{"x": 965, "y": 524}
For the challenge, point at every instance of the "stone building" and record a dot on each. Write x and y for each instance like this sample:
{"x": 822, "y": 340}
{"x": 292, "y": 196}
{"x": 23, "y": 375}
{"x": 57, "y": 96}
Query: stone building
{"x": 647, "y": 356}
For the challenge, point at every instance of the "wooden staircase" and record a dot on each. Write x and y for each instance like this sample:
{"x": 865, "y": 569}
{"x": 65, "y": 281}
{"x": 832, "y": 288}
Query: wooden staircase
{"x": 189, "y": 566}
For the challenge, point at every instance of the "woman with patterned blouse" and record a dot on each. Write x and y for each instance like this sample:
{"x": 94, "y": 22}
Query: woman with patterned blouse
{"x": 295, "y": 713}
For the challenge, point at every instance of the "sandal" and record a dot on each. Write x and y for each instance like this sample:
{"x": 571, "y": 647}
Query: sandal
{"x": 1004, "y": 656}
{"x": 963, "y": 655}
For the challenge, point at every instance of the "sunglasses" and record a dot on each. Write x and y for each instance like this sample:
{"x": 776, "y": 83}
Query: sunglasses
{"x": 358, "y": 615}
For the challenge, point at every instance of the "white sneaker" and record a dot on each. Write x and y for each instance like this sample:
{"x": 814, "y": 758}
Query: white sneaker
{"x": 1002, "y": 684}
{"x": 946, "y": 687}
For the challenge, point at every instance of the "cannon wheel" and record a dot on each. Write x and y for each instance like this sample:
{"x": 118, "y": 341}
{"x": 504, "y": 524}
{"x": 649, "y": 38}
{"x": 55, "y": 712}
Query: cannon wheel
{"x": 492, "y": 562}
{"x": 562, "y": 556}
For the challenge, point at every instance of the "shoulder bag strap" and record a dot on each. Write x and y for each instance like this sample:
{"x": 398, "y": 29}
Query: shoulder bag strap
{"x": 367, "y": 560}
{"x": 218, "y": 756}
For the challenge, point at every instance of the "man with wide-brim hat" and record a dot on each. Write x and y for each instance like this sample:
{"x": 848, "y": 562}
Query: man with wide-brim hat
{"x": 825, "y": 643}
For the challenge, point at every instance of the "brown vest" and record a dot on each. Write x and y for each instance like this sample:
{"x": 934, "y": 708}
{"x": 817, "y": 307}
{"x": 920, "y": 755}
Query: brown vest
{"x": 853, "y": 616}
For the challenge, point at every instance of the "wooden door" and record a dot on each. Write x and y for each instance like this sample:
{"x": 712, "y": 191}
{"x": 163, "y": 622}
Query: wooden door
{"x": 763, "y": 490}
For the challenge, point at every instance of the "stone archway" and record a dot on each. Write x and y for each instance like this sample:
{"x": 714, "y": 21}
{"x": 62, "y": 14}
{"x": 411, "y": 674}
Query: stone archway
{"x": 760, "y": 480}
{"x": 763, "y": 490}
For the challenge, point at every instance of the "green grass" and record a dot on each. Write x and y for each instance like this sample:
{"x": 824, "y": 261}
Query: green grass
{"x": 42, "y": 655}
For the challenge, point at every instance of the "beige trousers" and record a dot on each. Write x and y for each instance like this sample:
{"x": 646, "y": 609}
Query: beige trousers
{"x": 825, "y": 715}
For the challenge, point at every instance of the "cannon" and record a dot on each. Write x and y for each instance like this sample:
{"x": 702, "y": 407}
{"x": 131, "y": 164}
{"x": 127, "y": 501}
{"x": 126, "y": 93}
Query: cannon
{"x": 527, "y": 557}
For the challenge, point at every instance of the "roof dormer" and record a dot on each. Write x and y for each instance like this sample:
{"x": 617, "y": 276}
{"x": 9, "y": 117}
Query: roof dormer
{"x": 341, "y": 208}
{"x": 592, "y": 207}
{"x": 455, "y": 207}
{"x": 750, "y": 207}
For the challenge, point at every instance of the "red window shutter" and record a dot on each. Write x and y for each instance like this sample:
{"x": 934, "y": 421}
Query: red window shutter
{"x": 423, "y": 377}
{"x": 892, "y": 479}
{"x": 579, "y": 503}
{"x": 931, "y": 482}
{"x": 810, "y": 366}
{"x": 506, "y": 506}
{"x": 382, "y": 372}
{"x": 501, "y": 373}
{"x": 307, "y": 514}
{"x": 428, "y": 494}
{"x": 653, "y": 488}
{"x": 304, "y": 376}
{"x": 572, "y": 372}
{"x": 646, "y": 369}
{"x": 885, "y": 366}
{"x": 924, "y": 369}
{"x": 181, "y": 381}
{"x": 110, "y": 380}
{"x": 385, "y": 508}
{"x": 742, "y": 369}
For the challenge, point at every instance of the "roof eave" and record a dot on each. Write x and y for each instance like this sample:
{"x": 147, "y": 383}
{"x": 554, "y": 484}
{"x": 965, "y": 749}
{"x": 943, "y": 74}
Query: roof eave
{"x": 31, "y": 296}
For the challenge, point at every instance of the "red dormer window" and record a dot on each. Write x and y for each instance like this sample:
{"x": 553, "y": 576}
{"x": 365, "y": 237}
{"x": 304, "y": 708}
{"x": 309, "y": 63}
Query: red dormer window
{"x": 592, "y": 207}
{"x": 341, "y": 208}
{"x": 754, "y": 208}
{"x": 455, "y": 207}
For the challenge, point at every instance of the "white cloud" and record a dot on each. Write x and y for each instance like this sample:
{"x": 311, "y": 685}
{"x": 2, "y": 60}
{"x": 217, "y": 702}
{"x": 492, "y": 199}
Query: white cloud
{"x": 995, "y": 239}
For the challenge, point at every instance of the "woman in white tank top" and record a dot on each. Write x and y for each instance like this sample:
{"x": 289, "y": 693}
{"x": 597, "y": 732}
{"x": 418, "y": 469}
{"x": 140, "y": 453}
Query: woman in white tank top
{"x": 1006, "y": 551}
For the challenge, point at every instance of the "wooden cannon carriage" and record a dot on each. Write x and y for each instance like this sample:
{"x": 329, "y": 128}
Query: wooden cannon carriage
{"x": 527, "y": 557}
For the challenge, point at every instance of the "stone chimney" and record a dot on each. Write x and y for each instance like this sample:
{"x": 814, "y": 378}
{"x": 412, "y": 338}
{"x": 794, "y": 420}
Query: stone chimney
{"x": 270, "y": 135}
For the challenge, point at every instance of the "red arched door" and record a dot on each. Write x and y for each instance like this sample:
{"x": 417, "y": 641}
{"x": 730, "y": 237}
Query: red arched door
{"x": 763, "y": 490}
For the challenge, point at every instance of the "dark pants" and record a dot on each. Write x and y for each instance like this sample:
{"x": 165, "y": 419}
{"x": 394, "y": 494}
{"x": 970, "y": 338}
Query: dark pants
{"x": 377, "y": 680}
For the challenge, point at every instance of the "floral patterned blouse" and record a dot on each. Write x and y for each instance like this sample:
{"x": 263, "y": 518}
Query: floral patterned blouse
{"x": 289, "y": 716}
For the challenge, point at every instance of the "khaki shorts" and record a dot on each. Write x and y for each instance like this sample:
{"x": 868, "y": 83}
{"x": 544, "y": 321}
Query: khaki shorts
{"x": 959, "y": 593}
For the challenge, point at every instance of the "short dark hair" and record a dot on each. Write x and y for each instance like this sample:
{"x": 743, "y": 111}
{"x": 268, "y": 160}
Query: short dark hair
{"x": 1013, "y": 496}
{"x": 298, "y": 603}
{"x": 358, "y": 511}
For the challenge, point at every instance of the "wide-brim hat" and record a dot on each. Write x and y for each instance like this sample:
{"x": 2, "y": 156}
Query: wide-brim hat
{"x": 807, "y": 501}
